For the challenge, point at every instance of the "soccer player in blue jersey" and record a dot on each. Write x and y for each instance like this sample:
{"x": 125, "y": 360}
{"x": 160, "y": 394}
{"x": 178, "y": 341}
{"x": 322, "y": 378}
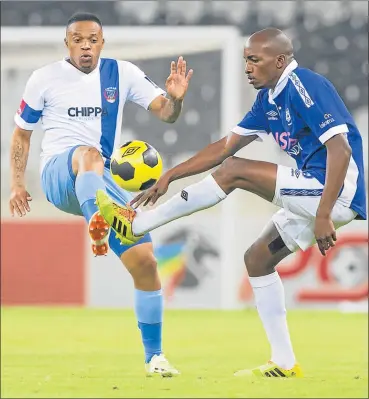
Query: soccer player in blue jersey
{"x": 309, "y": 120}
{"x": 80, "y": 101}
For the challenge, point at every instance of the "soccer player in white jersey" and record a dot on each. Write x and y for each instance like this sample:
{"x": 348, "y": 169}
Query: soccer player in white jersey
{"x": 80, "y": 103}
{"x": 308, "y": 119}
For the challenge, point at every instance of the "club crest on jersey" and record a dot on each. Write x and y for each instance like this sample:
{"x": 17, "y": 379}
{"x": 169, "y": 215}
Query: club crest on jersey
{"x": 110, "y": 94}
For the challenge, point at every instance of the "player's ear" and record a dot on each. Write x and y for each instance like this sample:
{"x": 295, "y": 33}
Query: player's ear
{"x": 281, "y": 61}
{"x": 66, "y": 41}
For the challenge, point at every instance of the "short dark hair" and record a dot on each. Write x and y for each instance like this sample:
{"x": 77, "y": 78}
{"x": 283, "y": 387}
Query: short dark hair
{"x": 83, "y": 16}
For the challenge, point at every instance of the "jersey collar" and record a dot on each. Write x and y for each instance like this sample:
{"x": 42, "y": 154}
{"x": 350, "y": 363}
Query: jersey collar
{"x": 281, "y": 84}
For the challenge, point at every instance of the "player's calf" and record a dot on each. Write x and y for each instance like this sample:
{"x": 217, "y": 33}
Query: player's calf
{"x": 261, "y": 259}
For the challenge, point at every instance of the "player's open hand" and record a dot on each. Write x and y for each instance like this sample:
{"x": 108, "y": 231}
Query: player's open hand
{"x": 178, "y": 80}
{"x": 325, "y": 233}
{"x": 19, "y": 201}
{"x": 151, "y": 195}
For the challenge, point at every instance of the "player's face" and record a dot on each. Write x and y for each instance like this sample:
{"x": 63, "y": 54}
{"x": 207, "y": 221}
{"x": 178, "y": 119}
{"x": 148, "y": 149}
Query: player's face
{"x": 262, "y": 67}
{"x": 85, "y": 42}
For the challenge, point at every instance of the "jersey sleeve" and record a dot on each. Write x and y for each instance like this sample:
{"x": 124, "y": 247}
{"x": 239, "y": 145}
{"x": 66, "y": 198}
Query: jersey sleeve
{"x": 142, "y": 90}
{"x": 320, "y": 106}
{"x": 32, "y": 104}
{"x": 254, "y": 122}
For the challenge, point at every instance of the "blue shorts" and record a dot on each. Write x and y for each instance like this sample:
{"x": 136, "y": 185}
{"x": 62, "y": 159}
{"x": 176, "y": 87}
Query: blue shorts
{"x": 58, "y": 182}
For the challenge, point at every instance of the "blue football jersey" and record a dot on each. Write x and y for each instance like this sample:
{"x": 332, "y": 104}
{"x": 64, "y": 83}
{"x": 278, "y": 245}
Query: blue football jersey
{"x": 302, "y": 113}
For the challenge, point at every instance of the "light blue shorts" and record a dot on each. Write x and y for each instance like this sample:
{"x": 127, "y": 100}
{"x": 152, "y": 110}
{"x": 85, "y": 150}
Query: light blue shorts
{"x": 58, "y": 182}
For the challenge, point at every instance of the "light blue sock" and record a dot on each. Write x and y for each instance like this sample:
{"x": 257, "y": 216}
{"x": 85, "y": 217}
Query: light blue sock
{"x": 149, "y": 313}
{"x": 86, "y": 185}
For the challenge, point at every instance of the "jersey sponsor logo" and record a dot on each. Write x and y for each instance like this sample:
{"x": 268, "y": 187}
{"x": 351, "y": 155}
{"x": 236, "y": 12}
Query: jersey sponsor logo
{"x": 272, "y": 115}
{"x": 328, "y": 120}
{"x": 295, "y": 150}
{"x": 87, "y": 112}
{"x": 110, "y": 94}
{"x": 288, "y": 144}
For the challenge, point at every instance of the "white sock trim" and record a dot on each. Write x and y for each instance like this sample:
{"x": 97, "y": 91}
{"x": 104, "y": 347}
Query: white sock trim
{"x": 215, "y": 186}
{"x": 264, "y": 281}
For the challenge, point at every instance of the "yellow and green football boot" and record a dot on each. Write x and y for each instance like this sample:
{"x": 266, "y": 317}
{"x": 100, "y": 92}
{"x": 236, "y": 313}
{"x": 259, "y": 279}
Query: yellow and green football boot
{"x": 272, "y": 370}
{"x": 118, "y": 217}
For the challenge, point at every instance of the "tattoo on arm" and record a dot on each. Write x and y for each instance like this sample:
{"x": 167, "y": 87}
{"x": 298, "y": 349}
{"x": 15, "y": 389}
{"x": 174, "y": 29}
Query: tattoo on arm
{"x": 19, "y": 155}
{"x": 172, "y": 110}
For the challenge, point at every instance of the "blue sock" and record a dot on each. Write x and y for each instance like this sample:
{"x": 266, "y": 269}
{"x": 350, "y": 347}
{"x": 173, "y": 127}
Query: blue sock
{"x": 86, "y": 185}
{"x": 149, "y": 313}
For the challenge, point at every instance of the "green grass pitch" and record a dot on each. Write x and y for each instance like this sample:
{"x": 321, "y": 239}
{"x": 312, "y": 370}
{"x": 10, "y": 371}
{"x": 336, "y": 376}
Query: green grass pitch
{"x": 86, "y": 353}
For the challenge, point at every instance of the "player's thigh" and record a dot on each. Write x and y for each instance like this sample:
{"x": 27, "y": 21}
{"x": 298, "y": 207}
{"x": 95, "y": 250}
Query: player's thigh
{"x": 258, "y": 177}
{"x": 299, "y": 194}
{"x": 140, "y": 258}
{"x": 297, "y": 232}
{"x": 266, "y": 252}
{"x": 58, "y": 182}
{"x": 121, "y": 250}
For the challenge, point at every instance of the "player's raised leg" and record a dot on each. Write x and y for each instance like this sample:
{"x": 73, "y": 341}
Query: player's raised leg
{"x": 88, "y": 167}
{"x": 255, "y": 176}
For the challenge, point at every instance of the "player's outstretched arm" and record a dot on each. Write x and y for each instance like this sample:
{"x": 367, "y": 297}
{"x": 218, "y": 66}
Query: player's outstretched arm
{"x": 338, "y": 158}
{"x": 209, "y": 157}
{"x": 169, "y": 108}
{"x": 19, "y": 150}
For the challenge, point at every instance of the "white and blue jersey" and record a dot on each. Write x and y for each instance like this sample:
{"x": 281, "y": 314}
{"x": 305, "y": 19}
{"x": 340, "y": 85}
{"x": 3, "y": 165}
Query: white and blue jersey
{"x": 82, "y": 109}
{"x": 302, "y": 113}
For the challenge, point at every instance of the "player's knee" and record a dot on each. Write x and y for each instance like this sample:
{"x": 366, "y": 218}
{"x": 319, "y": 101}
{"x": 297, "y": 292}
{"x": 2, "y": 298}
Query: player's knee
{"x": 148, "y": 265}
{"x": 255, "y": 262}
{"x": 229, "y": 164}
{"x": 144, "y": 267}
{"x": 90, "y": 159}
{"x": 225, "y": 174}
{"x": 250, "y": 262}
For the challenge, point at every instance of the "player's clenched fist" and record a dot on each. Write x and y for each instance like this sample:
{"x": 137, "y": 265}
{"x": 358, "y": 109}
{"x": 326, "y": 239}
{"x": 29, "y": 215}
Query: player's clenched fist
{"x": 19, "y": 201}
